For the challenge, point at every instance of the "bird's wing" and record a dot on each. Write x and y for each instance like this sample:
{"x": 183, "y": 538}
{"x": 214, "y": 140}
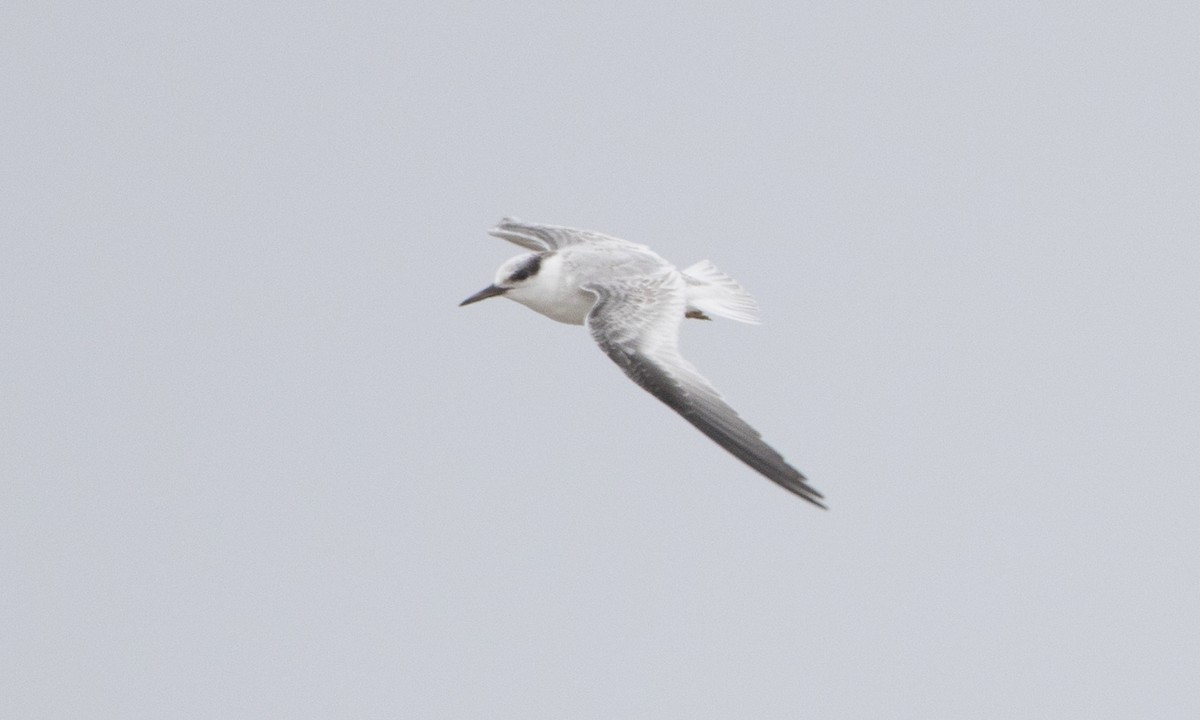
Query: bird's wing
{"x": 542, "y": 238}
{"x": 636, "y": 322}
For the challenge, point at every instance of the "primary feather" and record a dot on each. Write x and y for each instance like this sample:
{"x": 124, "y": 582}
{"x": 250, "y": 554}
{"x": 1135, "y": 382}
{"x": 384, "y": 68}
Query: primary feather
{"x": 633, "y": 302}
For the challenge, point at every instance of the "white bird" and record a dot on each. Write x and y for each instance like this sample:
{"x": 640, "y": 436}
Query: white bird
{"x": 634, "y": 301}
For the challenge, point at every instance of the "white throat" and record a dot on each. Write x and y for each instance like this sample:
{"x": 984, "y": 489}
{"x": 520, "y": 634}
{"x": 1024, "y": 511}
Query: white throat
{"x": 554, "y": 292}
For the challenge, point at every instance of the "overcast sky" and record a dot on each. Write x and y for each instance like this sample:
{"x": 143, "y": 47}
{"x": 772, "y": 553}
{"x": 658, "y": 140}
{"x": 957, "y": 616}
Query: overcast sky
{"x": 255, "y": 462}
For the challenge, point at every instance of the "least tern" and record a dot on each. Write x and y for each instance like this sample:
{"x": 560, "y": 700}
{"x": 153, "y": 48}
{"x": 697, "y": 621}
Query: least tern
{"x": 634, "y": 301}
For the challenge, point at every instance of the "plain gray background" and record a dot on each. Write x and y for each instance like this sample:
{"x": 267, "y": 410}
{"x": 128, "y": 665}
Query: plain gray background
{"x": 256, "y": 463}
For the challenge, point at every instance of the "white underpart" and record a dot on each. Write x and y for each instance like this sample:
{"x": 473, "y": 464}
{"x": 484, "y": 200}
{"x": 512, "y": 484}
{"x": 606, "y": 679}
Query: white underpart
{"x": 634, "y": 302}
{"x": 553, "y": 292}
{"x": 712, "y": 292}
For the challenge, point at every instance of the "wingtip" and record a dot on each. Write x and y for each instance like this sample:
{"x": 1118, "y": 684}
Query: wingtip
{"x": 527, "y": 235}
{"x": 810, "y": 494}
{"x": 506, "y": 222}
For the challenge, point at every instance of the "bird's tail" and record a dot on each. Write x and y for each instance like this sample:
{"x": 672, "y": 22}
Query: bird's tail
{"x": 711, "y": 291}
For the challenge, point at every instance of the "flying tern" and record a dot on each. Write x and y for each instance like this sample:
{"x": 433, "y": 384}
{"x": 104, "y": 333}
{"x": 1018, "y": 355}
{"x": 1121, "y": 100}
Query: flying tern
{"x": 633, "y": 302}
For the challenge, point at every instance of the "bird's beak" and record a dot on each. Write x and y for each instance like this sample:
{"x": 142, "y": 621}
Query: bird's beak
{"x": 484, "y": 294}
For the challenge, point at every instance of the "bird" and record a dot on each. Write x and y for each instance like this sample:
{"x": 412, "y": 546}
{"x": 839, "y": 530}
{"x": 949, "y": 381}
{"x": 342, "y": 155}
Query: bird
{"x": 633, "y": 302}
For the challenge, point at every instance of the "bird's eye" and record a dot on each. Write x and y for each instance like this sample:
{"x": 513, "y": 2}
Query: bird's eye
{"x": 527, "y": 270}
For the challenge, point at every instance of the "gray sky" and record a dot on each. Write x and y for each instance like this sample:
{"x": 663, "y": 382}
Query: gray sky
{"x": 256, "y": 463}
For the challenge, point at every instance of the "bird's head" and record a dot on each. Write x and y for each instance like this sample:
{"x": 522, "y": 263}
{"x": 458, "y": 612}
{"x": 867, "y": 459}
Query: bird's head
{"x": 513, "y": 276}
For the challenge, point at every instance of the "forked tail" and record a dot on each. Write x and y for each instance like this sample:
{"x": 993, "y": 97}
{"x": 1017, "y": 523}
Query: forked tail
{"x": 710, "y": 291}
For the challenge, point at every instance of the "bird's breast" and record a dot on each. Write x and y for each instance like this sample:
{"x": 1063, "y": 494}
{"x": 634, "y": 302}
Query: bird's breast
{"x": 571, "y": 307}
{"x": 556, "y": 293}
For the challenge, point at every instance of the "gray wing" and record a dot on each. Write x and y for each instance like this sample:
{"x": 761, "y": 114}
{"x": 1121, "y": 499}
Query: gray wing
{"x": 542, "y": 238}
{"x": 636, "y": 322}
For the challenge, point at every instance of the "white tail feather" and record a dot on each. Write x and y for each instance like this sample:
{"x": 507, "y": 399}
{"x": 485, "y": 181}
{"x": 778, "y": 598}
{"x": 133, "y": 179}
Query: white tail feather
{"x": 711, "y": 291}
